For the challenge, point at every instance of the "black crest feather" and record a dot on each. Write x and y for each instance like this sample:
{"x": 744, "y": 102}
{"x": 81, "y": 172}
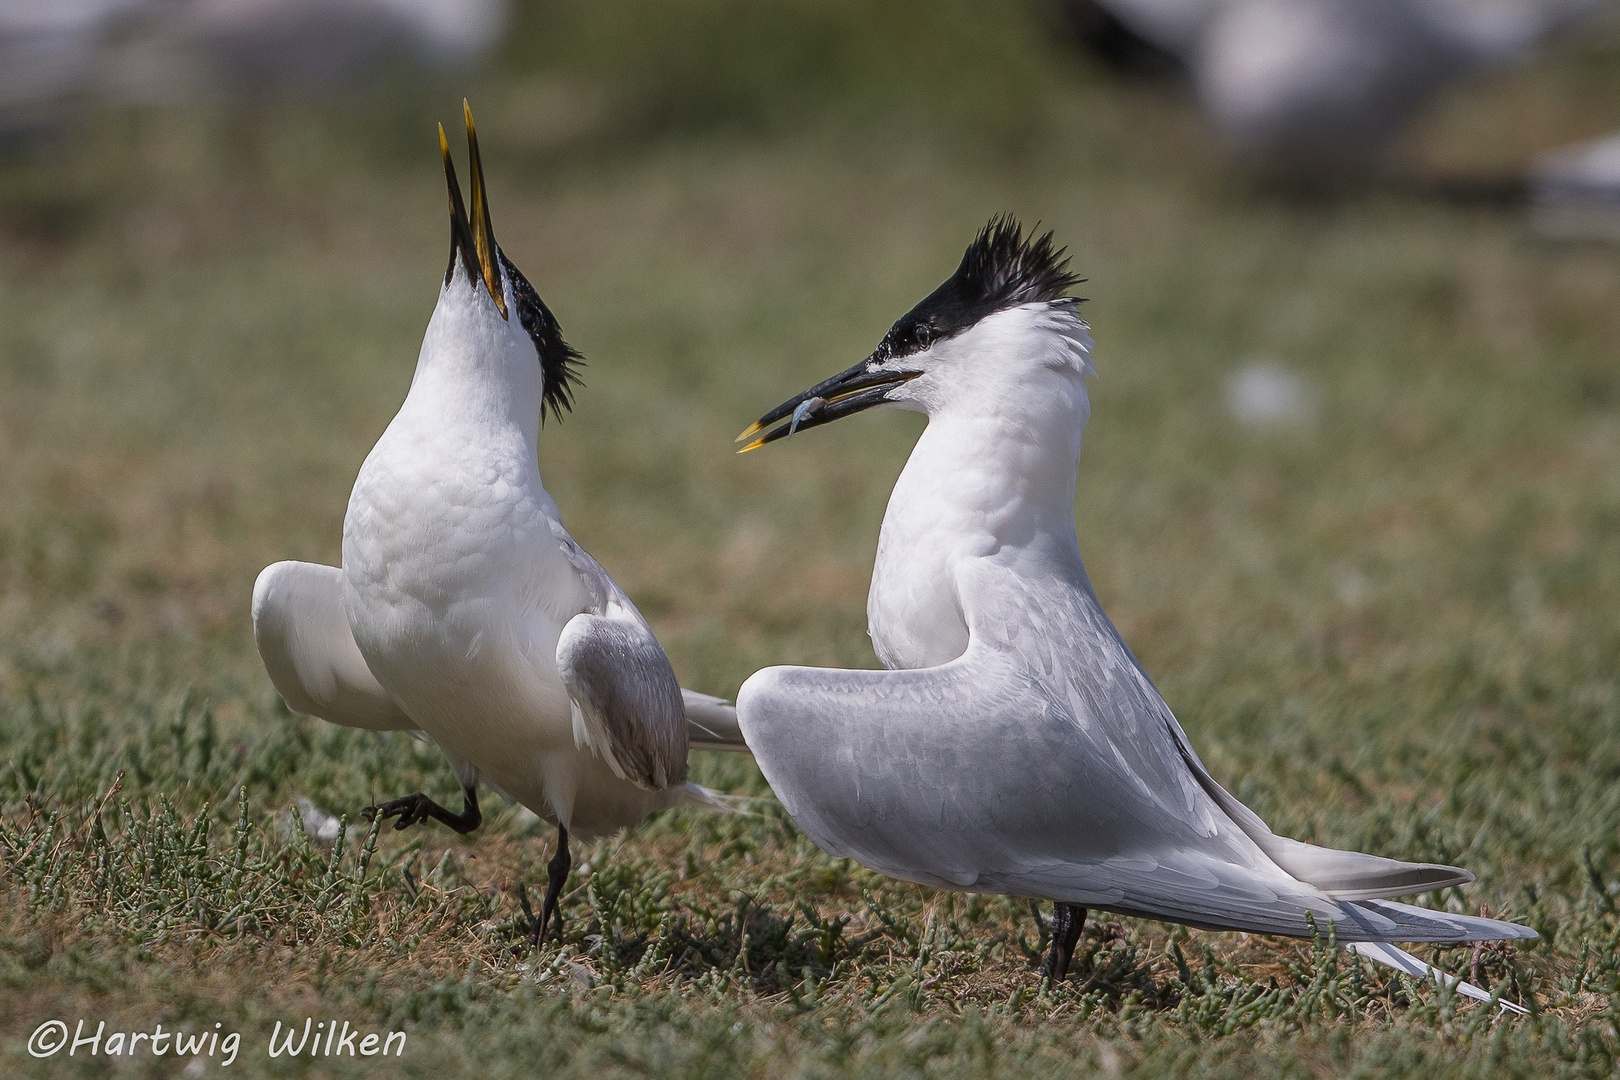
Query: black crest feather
{"x": 1002, "y": 268}
{"x": 1005, "y": 268}
{"x": 559, "y": 361}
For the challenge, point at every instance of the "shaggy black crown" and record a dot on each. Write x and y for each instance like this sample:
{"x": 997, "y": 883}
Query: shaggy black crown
{"x": 1001, "y": 269}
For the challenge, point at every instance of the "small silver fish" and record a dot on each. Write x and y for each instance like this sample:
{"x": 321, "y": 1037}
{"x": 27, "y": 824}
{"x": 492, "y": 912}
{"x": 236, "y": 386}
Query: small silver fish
{"x": 802, "y": 413}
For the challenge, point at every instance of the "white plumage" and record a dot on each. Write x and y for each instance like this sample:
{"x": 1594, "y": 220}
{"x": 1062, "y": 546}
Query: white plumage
{"x": 1016, "y": 745}
{"x": 463, "y": 609}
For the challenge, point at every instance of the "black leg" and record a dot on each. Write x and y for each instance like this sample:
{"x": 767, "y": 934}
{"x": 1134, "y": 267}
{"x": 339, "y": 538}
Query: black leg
{"x": 558, "y": 869}
{"x": 418, "y": 808}
{"x": 1066, "y": 926}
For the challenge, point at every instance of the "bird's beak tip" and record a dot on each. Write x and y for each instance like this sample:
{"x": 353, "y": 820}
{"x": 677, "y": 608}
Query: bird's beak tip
{"x": 755, "y": 445}
{"x": 482, "y": 231}
{"x": 751, "y": 429}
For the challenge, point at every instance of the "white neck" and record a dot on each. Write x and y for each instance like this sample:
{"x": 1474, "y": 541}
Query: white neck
{"x": 994, "y": 472}
{"x": 1006, "y": 476}
{"x": 476, "y": 367}
{"x": 450, "y": 501}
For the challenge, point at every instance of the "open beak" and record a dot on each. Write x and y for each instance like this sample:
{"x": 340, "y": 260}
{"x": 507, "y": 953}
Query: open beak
{"x": 860, "y": 387}
{"x": 471, "y": 240}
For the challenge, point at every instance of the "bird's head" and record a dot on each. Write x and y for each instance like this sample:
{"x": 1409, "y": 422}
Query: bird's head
{"x": 996, "y": 324}
{"x": 482, "y": 283}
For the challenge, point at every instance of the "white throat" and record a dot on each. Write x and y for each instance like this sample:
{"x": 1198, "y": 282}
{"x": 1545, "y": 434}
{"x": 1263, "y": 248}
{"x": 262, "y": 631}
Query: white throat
{"x": 450, "y": 502}
{"x": 475, "y": 366}
{"x": 993, "y": 473}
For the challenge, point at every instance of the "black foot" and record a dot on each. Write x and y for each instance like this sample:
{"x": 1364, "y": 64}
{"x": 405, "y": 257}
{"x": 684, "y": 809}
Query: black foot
{"x": 557, "y": 870}
{"x": 1070, "y": 920}
{"x": 414, "y": 809}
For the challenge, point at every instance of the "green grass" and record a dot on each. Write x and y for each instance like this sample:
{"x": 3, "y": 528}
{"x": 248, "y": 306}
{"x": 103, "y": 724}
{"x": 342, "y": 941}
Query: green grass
{"x": 1396, "y": 628}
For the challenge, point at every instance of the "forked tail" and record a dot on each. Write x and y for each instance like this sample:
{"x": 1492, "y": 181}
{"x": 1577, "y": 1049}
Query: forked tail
{"x": 711, "y": 723}
{"x": 1400, "y": 960}
{"x": 1404, "y": 922}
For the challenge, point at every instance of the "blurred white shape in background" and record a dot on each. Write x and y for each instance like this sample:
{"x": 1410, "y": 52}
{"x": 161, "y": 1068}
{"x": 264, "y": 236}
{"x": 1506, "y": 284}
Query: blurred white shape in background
{"x": 58, "y": 54}
{"x": 320, "y": 41}
{"x": 1323, "y": 84}
{"x": 1264, "y": 394}
{"x": 1352, "y": 587}
{"x": 1575, "y": 192}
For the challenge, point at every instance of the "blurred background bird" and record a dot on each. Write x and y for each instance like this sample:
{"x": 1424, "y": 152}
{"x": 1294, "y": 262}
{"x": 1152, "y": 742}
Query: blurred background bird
{"x": 58, "y": 55}
{"x": 1320, "y": 84}
{"x": 1318, "y": 90}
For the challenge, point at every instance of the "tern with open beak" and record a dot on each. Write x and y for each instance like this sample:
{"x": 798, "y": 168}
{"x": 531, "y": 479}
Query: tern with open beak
{"x": 1015, "y": 745}
{"x": 464, "y": 611}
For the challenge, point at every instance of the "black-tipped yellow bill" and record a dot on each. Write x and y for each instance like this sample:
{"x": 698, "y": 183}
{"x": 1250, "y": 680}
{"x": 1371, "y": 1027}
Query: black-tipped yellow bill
{"x": 472, "y": 240}
{"x": 849, "y": 392}
{"x": 483, "y": 230}
{"x": 462, "y": 245}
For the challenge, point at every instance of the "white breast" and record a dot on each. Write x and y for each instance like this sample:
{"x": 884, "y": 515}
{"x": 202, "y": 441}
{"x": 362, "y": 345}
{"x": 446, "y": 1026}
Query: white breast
{"x": 993, "y": 474}
{"x": 457, "y": 589}
{"x": 947, "y": 506}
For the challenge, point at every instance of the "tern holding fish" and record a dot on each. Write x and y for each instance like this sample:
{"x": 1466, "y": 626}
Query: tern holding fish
{"x": 1015, "y": 745}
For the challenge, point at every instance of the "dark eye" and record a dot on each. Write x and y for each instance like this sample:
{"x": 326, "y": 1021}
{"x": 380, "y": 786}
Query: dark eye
{"x": 923, "y": 334}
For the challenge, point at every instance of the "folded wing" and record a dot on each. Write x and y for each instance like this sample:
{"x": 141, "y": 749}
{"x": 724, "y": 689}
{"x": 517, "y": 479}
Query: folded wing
{"x": 1343, "y": 875}
{"x": 1121, "y": 718}
{"x": 627, "y": 704}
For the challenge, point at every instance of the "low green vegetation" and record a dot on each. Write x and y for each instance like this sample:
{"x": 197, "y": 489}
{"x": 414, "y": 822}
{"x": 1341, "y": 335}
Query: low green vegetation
{"x": 1391, "y": 624}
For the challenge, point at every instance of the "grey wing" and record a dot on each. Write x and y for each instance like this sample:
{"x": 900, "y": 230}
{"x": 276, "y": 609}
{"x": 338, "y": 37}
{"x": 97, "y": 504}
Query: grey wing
{"x": 969, "y": 776}
{"x": 1123, "y": 720}
{"x": 710, "y": 722}
{"x": 309, "y": 652}
{"x": 627, "y": 704}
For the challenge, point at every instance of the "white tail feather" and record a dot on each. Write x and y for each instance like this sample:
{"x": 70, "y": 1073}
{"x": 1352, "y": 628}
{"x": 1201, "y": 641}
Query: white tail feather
{"x": 711, "y": 723}
{"x": 701, "y": 798}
